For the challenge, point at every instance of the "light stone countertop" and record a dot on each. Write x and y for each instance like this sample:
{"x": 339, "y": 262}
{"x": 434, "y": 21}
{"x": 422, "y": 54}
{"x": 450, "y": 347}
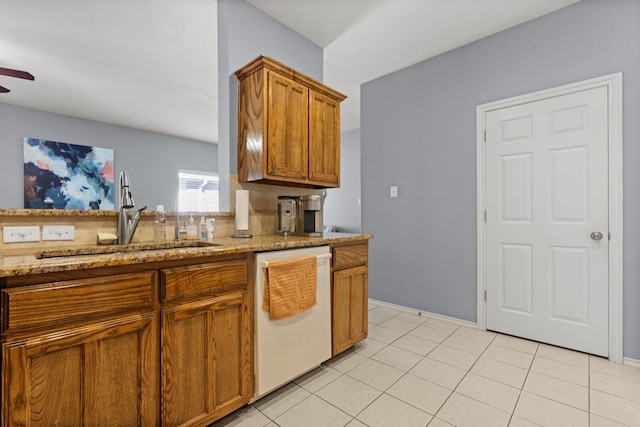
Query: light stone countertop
{"x": 25, "y": 264}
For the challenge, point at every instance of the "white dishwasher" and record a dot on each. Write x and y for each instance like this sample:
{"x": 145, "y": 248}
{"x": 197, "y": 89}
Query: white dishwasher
{"x": 287, "y": 348}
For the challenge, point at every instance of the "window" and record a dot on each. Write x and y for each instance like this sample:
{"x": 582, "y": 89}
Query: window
{"x": 197, "y": 191}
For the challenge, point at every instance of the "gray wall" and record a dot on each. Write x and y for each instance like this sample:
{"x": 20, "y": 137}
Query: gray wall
{"x": 418, "y": 132}
{"x": 245, "y": 32}
{"x": 341, "y": 205}
{"x": 152, "y": 159}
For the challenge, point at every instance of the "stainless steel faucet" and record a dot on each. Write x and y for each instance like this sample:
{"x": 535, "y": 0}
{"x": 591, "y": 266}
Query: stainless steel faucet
{"x": 127, "y": 221}
{"x": 179, "y": 230}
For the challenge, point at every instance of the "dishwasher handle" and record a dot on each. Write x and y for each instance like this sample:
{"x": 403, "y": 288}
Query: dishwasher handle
{"x": 265, "y": 264}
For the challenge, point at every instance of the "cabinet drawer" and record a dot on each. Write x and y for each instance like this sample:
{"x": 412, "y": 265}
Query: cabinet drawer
{"x": 50, "y": 304}
{"x": 345, "y": 256}
{"x": 204, "y": 279}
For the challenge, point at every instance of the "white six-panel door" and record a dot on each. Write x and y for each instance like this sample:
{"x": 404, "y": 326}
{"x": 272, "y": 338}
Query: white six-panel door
{"x": 546, "y": 198}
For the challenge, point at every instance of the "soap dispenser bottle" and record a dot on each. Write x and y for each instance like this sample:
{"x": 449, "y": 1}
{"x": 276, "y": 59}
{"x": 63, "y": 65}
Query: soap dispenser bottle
{"x": 192, "y": 228}
{"x": 203, "y": 229}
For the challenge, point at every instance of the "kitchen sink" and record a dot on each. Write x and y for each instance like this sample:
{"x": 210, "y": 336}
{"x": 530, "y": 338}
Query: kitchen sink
{"x": 110, "y": 249}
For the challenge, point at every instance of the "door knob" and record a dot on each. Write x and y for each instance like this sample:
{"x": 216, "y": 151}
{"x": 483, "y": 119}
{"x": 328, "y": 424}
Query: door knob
{"x": 596, "y": 235}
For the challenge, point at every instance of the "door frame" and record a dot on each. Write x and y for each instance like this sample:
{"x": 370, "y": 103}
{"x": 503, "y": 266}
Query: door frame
{"x": 614, "y": 84}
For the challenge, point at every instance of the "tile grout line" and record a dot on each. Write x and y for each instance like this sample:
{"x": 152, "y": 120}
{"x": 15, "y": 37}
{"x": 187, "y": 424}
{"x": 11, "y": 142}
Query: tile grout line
{"x": 402, "y": 376}
{"x": 589, "y": 388}
{"x": 454, "y": 389}
{"x": 405, "y": 372}
{"x": 523, "y": 384}
{"x": 467, "y": 373}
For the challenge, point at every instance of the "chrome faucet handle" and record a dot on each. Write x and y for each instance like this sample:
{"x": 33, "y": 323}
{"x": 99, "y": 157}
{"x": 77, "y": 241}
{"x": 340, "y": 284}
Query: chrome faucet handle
{"x": 126, "y": 200}
{"x": 138, "y": 212}
{"x": 124, "y": 179}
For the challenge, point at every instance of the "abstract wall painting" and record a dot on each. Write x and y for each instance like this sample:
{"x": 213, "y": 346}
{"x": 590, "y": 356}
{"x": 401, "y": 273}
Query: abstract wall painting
{"x": 58, "y": 175}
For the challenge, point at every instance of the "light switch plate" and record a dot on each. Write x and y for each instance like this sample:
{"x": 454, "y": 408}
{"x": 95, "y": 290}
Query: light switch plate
{"x": 29, "y": 233}
{"x": 58, "y": 232}
{"x": 394, "y": 191}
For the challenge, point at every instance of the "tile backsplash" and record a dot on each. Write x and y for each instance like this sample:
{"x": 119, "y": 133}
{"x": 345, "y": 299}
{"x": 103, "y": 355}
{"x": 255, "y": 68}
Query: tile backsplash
{"x": 262, "y": 219}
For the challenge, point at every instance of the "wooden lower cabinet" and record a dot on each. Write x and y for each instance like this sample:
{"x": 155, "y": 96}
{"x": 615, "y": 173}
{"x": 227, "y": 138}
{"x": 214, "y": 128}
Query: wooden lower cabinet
{"x": 164, "y": 344}
{"x": 206, "y": 340}
{"x": 350, "y": 305}
{"x": 349, "y": 295}
{"x": 206, "y": 350}
{"x": 102, "y": 374}
{"x": 80, "y": 352}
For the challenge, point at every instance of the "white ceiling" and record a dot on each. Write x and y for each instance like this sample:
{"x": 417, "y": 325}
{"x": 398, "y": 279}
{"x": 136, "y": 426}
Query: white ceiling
{"x": 152, "y": 64}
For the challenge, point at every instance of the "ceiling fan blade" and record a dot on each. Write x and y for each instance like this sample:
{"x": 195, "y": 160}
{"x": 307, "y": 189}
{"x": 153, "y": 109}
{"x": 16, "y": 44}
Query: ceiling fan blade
{"x": 16, "y": 73}
{"x": 4, "y": 89}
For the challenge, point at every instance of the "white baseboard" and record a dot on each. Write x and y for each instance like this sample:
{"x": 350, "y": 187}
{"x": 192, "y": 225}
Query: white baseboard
{"x": 424, "y": 313}
{"x": 628, "y": 361}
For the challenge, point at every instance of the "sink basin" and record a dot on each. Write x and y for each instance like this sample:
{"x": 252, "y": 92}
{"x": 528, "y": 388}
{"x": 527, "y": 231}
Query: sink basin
{"x": 110, "y": 249}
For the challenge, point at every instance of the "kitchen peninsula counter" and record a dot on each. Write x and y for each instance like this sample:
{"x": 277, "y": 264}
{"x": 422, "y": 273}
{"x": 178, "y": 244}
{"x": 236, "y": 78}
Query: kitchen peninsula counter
{"x": 27, "y": 264}
{"x": 137, "y": 334}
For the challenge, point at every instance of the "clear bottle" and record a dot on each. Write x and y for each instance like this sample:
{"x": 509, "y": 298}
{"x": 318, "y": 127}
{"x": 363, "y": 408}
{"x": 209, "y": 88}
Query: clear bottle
{"x": 160, "y": 225}
{"x": 211, "y": 225}
{"x": 203, "y": 229}
{"x": 192, "y": 228}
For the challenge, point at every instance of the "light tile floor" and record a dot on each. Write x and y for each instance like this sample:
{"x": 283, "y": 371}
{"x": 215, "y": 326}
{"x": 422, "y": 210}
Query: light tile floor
{"x": 419, "y": 371}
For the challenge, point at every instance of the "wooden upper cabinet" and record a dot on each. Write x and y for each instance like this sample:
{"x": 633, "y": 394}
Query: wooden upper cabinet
{"x": 288, "y": 127}
{"x": 324, "y": 138}
{"x": 289, "y": 123}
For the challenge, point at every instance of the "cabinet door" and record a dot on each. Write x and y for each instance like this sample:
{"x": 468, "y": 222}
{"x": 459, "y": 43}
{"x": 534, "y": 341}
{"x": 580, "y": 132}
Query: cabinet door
{"x": 288, "y": 132}
{"x": 324, "y": 140}
{"x": 103, "y": 374}
{"x": 350, "y": 307}
{"x": 206, "y": 359}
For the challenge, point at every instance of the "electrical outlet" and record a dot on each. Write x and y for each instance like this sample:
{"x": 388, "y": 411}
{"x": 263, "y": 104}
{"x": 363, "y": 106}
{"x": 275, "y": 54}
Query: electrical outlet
{"x": 394, "y": 191}
{"x": 21, "y": 234}
{"x": 57, "y": 232}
